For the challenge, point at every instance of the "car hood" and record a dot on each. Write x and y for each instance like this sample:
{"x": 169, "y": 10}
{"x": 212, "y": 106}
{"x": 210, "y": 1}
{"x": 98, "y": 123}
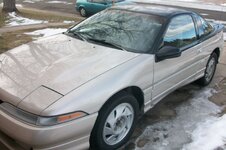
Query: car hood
{"x": 58, "y": 63}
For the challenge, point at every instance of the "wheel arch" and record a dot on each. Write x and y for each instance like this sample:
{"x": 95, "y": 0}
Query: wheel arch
{"x": 81, "y": 6}
{"x": 217, "y": 51}
{"x": 133, "y": 90}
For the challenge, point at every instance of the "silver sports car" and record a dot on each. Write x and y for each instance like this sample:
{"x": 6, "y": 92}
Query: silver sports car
{"x": 88, "y": 86}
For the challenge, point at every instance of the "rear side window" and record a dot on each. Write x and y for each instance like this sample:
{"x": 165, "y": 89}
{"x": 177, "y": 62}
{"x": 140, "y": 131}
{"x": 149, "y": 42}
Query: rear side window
{"x": 204, "y": 28}
{"x": 181, "y": 32}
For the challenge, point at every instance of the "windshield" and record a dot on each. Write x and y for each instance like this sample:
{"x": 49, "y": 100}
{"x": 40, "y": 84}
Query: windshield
{"x": 131, "y": 31}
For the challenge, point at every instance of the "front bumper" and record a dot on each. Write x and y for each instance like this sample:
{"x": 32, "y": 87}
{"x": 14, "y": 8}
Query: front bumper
{"x": 71, "y": 135}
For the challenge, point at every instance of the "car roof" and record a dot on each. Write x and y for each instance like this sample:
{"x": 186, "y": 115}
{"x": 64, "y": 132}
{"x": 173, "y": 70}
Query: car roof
{"x": 162, "y": 11}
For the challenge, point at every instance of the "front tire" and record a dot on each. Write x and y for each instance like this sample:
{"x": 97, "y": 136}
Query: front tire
{"x": 210, "y": 70}
{"x": 115, "y": 123}
{"x": 82, "y": 12}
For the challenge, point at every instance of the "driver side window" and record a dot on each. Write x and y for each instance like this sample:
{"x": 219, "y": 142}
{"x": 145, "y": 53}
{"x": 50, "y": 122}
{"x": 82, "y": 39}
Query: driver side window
{"x": 181, "y": 32}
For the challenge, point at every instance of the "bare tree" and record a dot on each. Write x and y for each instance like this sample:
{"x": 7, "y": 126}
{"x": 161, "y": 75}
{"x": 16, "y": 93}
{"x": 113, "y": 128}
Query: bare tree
{"x": 9, "y": 6}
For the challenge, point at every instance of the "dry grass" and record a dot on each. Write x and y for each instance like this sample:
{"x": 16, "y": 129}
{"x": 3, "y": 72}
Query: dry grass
{"x": 13, "y": 39}
{"x": 40, "y": 15}
{"x": 2, "y": 19}
{"x": 44, "y": 16}
{"x": 10, "y": 40}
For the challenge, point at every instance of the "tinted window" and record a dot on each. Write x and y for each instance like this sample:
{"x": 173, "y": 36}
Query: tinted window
{"x": 204, "y": 28}
{"x": 135, "y": 32}
{"x": 99, "y": 1}
{"x": 115, "y": 1}
{"x": 181, "y": 32}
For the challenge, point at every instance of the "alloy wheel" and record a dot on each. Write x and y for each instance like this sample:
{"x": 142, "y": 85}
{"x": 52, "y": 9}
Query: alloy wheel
{"x": 83, "y": 12}
{"x": 118, "y": 123}
{"x": 210, "y": 69}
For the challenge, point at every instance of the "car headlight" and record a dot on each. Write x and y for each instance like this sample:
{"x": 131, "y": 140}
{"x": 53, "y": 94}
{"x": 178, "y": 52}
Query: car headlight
{"x": 46, "y": 121}
{"x": 40, "y": 120}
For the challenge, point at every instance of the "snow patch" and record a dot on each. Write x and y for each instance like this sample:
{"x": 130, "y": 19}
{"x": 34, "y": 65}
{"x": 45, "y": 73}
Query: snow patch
{"x": 209, "y": 135}
{"x": 217, "y": 21}
{"x": 223, "y": 4}
{"x": 185, "y": 3}
{"x": 175, "y": 133}
{"x": 58, "y": 2}
{"x": 19, "y": 5}
{"x": 225, "y": 36}
{"x": 15, "y": 20}
{"x": 67, "y": 21}
{"x": 203, "y": 14}
{"x": 46, "y": 32}
{"x": 28, "y": 1}
{"x": 188, "y": 0}
{"x": 32, "y": 1}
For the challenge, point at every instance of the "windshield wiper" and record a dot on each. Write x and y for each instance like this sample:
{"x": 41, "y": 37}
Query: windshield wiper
{"x": 106, "y": 43}
{"x": 70, "y": 33}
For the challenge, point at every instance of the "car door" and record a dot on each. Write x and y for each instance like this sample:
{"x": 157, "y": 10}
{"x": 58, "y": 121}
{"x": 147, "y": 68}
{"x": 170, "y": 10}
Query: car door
{"x": 206, "y": 42}
{"x": 99, "y": 5}
{"x": 87, "y": 5}
{"x": 169, "y": 74}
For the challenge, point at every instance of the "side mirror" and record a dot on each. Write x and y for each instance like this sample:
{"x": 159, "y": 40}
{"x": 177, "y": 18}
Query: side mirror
{"x": 167, "y": 52}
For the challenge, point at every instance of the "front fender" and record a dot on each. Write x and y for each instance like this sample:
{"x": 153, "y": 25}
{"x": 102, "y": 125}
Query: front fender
{"x": 91, "y": 96}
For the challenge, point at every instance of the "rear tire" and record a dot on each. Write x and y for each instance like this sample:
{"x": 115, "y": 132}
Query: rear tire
{"x": 210, "y": 70}
{"x": 115, "y": 123}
